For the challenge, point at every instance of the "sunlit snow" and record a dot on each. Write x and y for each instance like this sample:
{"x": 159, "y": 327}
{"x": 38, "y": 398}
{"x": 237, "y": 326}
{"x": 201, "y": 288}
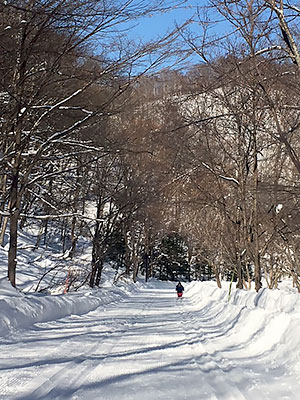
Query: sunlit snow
{"x": 139, "y": 342}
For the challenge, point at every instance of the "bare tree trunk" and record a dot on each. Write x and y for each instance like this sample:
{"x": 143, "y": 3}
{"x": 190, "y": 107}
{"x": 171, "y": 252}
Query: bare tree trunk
{"x": 291, "y": 46}
{"x": 147, "y": 254}
{"x": 3, "y": 201}
{"x": 3, "y": 229}
{"x": 74, "y": 238}
{"x": 97, "y": 252}
{"x": 146, "y": 263}
{"x": 127, "y": 258}
{"x": 217, "y": 274}
{"x": 135, "y": 268}
{"x": 239, "y": 284}
{"x": 14, "y": 217}
{"x": 97, "y": 263}
{"x": 248, "y": 277}
{"x": 63, "y": 235}
{"x": 257, "y": 265}
{"x": 93, "y": 274}
{"x": 99, "y": 272}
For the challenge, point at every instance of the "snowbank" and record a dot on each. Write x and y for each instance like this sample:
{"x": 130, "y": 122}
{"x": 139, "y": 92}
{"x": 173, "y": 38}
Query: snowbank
{"x": 20, "y": 311}
{"x": 285, "y": 300}
{"x": 261, "y": 321}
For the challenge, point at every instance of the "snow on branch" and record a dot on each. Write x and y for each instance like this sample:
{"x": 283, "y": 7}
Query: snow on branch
{"x": 59, "y": 104}
{"x": 294, "y": 8}
{"x": 226, "y": 178}
{"x": 51, "y": 174}
{"x": 268, "y": 49}
{"x": 67, "y": 131}
{"x": 43, "y": 200}
{"x": 78, "y": 144}
{"x": 53, "y": 216}
{"x": 75, "y": 108}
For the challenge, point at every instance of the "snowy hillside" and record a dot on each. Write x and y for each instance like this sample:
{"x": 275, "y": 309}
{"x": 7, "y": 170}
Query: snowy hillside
{"x": 141, "y": 342}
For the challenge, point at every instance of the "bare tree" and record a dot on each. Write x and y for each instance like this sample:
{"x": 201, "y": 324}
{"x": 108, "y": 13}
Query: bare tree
{"x": 259, "y": 89}
{"x": 47, "y": 73}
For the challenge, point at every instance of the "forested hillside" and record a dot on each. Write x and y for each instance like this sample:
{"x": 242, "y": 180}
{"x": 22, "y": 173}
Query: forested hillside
{"x": 168, "y": 169}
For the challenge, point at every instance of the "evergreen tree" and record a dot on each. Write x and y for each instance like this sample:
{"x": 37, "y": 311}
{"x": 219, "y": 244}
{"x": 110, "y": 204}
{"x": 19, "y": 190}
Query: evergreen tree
{"x": 116, "y": 247}
{"x": 171, "y": 259}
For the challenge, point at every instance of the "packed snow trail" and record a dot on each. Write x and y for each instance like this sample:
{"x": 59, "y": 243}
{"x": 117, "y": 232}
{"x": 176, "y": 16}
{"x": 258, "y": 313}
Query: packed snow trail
{"x": 154, "y": 346}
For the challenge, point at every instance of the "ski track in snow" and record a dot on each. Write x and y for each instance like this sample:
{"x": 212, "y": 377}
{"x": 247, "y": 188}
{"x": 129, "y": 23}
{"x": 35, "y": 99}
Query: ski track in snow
{"x": 152, "y": 346}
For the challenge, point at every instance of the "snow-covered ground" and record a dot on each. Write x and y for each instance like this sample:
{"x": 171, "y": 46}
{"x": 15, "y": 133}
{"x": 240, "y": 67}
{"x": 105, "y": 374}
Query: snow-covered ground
{"x": 140, "y": 342}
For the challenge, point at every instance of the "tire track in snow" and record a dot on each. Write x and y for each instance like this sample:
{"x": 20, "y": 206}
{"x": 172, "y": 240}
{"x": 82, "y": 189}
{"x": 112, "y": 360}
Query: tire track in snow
{"x": 143, "y": 352}
{"x": 76, "y": 371}
{"x": 246, "y": 339}
{"x": 214, "y": 367}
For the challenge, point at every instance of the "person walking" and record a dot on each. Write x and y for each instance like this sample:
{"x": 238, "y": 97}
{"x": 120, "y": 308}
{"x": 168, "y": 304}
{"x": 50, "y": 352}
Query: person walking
{"x": 179, "y": 289}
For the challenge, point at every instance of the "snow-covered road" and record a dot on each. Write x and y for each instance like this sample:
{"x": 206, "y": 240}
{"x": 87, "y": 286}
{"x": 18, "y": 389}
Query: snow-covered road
{"x": 152, "y": 346}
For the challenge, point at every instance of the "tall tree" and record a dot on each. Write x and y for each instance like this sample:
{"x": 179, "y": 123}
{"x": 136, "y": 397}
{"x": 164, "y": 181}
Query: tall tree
{"x": 47, "y": 73}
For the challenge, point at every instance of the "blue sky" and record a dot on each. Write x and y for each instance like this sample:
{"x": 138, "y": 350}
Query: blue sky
{"x": 159, "y": 24}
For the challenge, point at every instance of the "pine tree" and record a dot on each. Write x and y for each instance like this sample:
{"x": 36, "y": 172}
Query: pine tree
{"x": 171, "y": 259}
